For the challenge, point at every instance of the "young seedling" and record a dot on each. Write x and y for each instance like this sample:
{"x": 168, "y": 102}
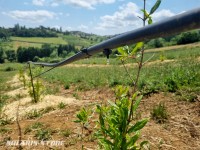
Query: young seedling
{"x": 116, "y": 127}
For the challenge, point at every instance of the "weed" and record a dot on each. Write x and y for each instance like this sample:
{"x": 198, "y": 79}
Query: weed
{"x": 4, "y": 130}
{"x": 43, "y": 134}
{"x": 75, "y": 95}
{"x": 61, "y": 105}
{"x": 65, "y": 133}
{"x": 4, "y": 121}
{"x": 47, "y": 110}
{"x": 22, "y": 77}
{"x": 35, "y": 126}
{"x": 33, "y": 114}
{"x": 10, "y": 69}
{"x": 159, "y": 113}
{"x": 67, "y": 86}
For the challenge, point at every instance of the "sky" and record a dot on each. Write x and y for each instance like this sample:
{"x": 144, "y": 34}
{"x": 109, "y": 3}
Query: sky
{"x": 102, "y": 17}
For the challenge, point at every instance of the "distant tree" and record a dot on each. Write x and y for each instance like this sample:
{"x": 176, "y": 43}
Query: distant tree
{"x": 46, "y": 50}
{"x": 188, "y": 37}
{"x": 11, "y": 55}
{"x": 2, "y": 55}
{"x": 158, "y": 42}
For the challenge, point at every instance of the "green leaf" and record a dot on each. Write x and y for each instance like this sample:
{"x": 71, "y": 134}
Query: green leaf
{"x": 137, "y": 102}
{"x": 139, "y": 125}
{"x": 155, "y": 7}
{"x": 77, "y": 121}
{"x": 138, "y": 46}
{"x": 143, "y": 143}
{"x": 146, "y": 14}
{"x": 122, "y": 51}
{"x": 108, "y": 142}
{"x": 150, "y": 21}
{"x": 131, "y": 142}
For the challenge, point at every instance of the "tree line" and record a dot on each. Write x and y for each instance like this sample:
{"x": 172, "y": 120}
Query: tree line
{"x": 23, "y": 31}
{"x": 24, "y": 54}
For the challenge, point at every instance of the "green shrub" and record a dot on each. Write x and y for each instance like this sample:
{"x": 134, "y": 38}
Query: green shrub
{"x": 10, "y": 69}
{"x": 159, "y": 113}
{"x": 67, "y": 86}
{"x": 65, "y": 133}
{"x": 115, "y": 131}
{"x": 61, "y": 105}
{"x": 43, "y": 134}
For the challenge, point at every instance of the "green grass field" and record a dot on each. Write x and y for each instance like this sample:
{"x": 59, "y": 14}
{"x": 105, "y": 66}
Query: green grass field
{"x": 15, "y": 42}
{"x": 169, "y": 76}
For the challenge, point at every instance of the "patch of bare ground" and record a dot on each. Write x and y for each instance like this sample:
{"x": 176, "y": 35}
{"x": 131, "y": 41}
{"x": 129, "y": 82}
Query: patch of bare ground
{"x": 182, "y": 129}
{"x": 180, "y": 132}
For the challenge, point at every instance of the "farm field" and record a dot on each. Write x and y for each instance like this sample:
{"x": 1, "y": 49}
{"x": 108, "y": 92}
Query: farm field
{"x": 170, "y": 77}
{"x": 16, "y": 42}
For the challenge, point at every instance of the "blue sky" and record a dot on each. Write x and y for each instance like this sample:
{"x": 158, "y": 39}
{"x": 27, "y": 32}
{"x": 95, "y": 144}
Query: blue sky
{"x": 103, "y": 17}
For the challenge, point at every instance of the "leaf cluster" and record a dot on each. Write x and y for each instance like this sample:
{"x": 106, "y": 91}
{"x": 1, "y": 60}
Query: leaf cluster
{"x": 115, "y": 131}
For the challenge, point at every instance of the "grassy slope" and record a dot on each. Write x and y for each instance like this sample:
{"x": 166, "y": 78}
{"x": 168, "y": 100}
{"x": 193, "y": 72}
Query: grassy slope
{"x": 38, "y": 41}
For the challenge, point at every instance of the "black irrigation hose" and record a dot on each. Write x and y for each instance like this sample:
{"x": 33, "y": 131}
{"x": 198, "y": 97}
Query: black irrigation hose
{"x": 180, "y": 23}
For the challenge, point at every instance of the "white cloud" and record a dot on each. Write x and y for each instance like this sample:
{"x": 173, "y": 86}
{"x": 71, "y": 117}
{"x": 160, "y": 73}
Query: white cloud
{"x": 54, "y": 4}
{"x": 38, "y": 2}
{"x": 37, "y": 16}
{"x": 163, "y": 14}
{"x": 83, "y": 27}
{"x": 88, "y": 4}
{"x": 126, "y": 18}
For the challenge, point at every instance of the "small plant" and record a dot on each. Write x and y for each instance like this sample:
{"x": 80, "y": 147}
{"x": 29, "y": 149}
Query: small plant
{"x": 38, "y": 91}
{"x": 9, "y": 69}
{"x": 36, "y": 88}
{"x": 172, "y": 84}
{"x": 4, "y": 130}
{"x": 83, "y": 118}
{"x": 75, "y": 95}
{"x": 43, "y": 134}
{"x": 159, "y": 113}
{"x": 67, "y": 86}
{"x": 162, "y": 56}
{"x": 46, "y": 110}
{"x": 33, "y": 114}
{"x": 36, "y": 126}
{"x": 22, "y": 77}
{"x": 3, "y": 99}
{"x": 65, "y": 133}
{"x": 4, "y": 121}
{"x": 61, "y": 105}
{"x": 115, "y": 130}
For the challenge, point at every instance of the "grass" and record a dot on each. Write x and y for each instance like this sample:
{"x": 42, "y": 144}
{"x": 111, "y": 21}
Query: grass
{"x": 78, "y": 41}
{"x": 66, "y": 132}
{"x": 7, "y": 71}
{"x": 164, "y": 76}
{"x": 168, "y": 55}
{"x": 33, "y": 114}
{"x": 159, "y": 113}
{"x": 61, "y": 105}
{"x": 38, "y": 40}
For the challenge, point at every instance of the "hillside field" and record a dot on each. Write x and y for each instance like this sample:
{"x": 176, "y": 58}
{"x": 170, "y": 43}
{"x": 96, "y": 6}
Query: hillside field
{"x": 170, "y": 76}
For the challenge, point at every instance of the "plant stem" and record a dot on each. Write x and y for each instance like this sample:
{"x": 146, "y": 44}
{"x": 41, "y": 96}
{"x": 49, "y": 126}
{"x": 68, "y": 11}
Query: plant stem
{"x": 139, "y": 69}
{"x": 32, "y": 84}
{"x": 127, "y": 72}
